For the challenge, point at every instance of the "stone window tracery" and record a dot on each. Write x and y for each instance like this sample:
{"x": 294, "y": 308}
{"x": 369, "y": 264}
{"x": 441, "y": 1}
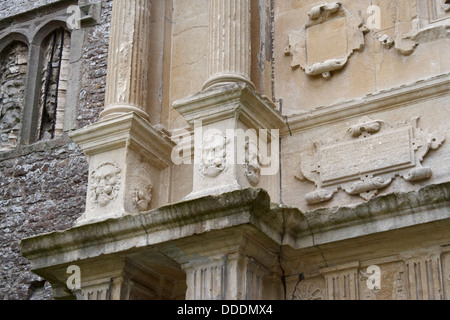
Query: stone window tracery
{"x": 33, "y": 97}
{"x": 13, "y": 69}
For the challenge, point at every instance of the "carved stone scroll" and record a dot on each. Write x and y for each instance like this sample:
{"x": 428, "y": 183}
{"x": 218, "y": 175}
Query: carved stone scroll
{"x": 368, "y": 159}
{"x": 327, "y": 41}
{"x": 416, "y": 22}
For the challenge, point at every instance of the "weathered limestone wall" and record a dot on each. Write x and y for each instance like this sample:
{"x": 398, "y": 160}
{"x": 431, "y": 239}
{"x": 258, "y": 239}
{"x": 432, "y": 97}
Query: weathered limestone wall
{"x": 336, "y": 72}
{"x": 374, "y": 67}
{"x": 42, "y": 189}
{"x": 189, "y": 56}
{"x": 94, "y": 58}
{"x": 386, "y": 62}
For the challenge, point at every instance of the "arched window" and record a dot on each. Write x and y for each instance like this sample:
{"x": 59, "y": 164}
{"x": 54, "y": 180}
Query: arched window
{"x": 53, "y": 84}
{"x": 13, "y": 71}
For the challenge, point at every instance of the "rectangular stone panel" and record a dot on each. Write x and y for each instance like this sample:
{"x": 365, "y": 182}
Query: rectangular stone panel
{"x": 327, "y": 41}
{"x": 375, "y": 154}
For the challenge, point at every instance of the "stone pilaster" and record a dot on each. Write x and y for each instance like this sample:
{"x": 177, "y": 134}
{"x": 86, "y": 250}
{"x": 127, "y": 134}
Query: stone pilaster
{"x": 229, "y": 114}
{"x": 126, "y": 154}
{"x": 229, "y": 56}
{"x": 237, "y": 271}
{"x": 236, "y": 139}
{"x": 126, "y": 157}
{"x": 342, "y": 282}
{"x": 127, "y": 74}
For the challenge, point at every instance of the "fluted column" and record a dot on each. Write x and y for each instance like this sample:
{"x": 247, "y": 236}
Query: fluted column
{"x": 127, "y": 74}
{"x": 229, "y": 56}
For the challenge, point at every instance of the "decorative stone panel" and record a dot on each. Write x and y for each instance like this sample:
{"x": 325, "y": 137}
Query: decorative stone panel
{"x": 327, "y": 41}
{"x": 368, "y": 159}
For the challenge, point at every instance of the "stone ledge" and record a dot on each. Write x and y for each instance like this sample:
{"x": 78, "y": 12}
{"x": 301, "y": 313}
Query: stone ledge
{"x": 164, "y": 224}
{"x": 385, "y": 213}
{"x": 39, "y": 146}
{"x": 248, "y": 207}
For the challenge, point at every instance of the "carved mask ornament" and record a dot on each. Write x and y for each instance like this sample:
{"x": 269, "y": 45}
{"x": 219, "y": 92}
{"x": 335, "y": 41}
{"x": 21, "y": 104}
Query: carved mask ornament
{"x": 252, "y": 166}
{"x": 213, "y": 155}
{"x": 105, "y": 183}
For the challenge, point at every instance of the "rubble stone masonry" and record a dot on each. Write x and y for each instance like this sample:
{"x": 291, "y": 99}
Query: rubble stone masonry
{"x": 43, "y": 185}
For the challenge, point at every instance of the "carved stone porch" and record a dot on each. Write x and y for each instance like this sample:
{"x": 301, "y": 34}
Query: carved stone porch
{"x": 210, "y": 245}
{"x": 239, "y": 245}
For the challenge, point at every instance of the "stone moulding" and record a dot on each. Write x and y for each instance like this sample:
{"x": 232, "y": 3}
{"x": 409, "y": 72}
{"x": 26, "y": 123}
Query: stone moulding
{"x": 230, "y": 98}
{"x": 127, "y": 130}
{"x": 369, "y": 160}
{"x": 126, "y": 153}
{"x": 411, "y": 93}
{"x": 250, "y": 209}
{"x": 327, "y": 41}
{"x": 166, "y": 223}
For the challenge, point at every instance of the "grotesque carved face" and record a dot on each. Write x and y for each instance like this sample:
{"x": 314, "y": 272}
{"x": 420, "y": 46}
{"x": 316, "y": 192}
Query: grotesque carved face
{"x": 105, "y": 183}
{"x": 252, "y": 164}
{"x": 214, "y": 155}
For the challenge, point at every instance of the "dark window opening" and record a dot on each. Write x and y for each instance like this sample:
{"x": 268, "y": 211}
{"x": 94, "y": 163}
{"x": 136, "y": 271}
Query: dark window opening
{"x": 53, "y": 83}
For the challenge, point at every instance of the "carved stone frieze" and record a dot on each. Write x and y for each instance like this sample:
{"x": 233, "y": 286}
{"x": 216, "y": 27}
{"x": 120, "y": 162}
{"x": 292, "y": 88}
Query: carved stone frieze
{"x": 368, "y": 159}
{"x": 106, "y": 181}
{"x": 308, "y": 291}
{"x": 327, "y": 41}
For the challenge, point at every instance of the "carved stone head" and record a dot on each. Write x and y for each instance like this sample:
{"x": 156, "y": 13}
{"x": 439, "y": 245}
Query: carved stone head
{"x": 213, "y": 155}
{"x": 105, "y": 183}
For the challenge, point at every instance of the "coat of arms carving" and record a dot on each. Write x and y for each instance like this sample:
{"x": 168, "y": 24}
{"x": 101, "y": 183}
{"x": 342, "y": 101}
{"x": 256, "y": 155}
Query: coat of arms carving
{"x": 327, "y": 41}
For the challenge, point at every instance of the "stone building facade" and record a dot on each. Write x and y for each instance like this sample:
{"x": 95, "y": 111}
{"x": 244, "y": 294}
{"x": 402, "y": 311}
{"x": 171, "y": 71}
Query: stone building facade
{"x": 225, "y": 149}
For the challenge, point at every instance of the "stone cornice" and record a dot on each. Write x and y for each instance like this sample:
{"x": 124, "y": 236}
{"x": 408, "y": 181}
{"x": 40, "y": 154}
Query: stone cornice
{"x": 127, "y": 130}
{"x": 376, "y": 102}
{"x": 393, "y": 211}
{"x": 248, "y": 208}
{"x": 138, "y": 231}
{"x": 229, "y": 101}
